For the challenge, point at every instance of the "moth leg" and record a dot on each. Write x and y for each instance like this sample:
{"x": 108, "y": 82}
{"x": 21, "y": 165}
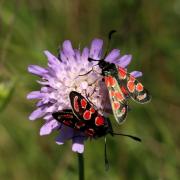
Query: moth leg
{"x": 87, "y": 97}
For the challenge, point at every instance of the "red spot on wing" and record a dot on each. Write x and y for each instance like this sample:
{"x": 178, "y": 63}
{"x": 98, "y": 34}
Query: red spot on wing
{"x": 83, "y": 103}
{"x": 132, "y": 78}
{"x": 87, "y": 115}
{"x": 112, "y": 81}
{"x": 124, "y": 90}
{"x": 123, "y": 110}
{"x": 139, "y": 87}
{"x": 92, "y": 110}
{"x": 112, "y": 93}
{"x": 76, "y": 105}
{"x": 131, "y": 86}
{"x": 68, "y": 116}
{"x": 116, "y": 105}
{"x": 99, "y": 121}
{"x": 79, "y": 124}
{"x": 119, "y": 96}
{"x": 122, "y": 73}
{"x": 89, "y": 132}
{"x": 107, "y": 82}
{"x": 67, "y": 122}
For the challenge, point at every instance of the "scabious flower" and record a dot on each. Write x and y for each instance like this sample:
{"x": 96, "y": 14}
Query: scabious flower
{"x": 65, "y": 74}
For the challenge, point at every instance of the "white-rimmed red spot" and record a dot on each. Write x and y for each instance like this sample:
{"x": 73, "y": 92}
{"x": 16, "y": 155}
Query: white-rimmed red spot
{"x": 92, "y": 110}
{"x": 87, "y": 115}
{"x": 131, "y": 86}
{"x": 99, "y": 121}
{"x": 112, "y": 81}
{"x": 132, "y": 78}
{"x": 139, "y": 87}
{"x": 119, "y": 96}
{"x": 76, "y": 106}
{"x": 106, "y": 78}
{"x": 123, "y": 110}
{"x": 122, "y": 73}
{"x": 116, "y": 105}
{"x": 83, "y": 103}
{"x": 112, "y": 93}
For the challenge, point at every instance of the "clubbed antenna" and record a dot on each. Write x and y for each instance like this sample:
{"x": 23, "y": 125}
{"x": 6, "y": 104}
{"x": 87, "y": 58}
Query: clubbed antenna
{"x": 130, "y": 136}
{"x": 109, "y": 41}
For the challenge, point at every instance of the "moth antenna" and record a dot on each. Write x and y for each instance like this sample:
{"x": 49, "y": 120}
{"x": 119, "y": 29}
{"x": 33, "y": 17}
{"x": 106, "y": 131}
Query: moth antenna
{"x": 109, "y": 41}
{"x": 89, "y": 70}
{"x": 91, "y": 59}
{"x": 130, "y": 136}
{"x": 105, "y": 156}
{"x": 108, "y": 45}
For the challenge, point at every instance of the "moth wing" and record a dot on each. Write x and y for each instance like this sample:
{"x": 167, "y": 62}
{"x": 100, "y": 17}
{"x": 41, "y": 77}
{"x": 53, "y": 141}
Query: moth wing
{"x": 132, "y": 87}
{"x": 80, "y": 105}
{"x": 65, "y": 117}
{"x": 117, "y": 98}
{"x": 96, "y": 124}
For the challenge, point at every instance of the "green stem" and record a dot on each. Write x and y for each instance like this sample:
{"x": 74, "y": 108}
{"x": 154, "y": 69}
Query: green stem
{"x": 81, "y": 166}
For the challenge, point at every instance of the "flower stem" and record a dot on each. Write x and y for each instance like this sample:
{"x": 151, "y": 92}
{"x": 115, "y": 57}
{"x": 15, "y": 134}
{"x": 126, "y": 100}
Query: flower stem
{"x": 81, "y": 166}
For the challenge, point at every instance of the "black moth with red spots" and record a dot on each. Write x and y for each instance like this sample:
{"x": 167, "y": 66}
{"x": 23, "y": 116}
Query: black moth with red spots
{"x": 121, "y": 85}
{"x": 83, "y": 117}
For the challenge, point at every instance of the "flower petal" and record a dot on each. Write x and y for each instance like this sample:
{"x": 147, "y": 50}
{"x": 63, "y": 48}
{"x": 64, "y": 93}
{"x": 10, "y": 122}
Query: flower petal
{"x": 67, "y": 49}
{"x": 37, "y": 70}
{"x": 78, "y": 144}
{"x": 38, "y": 113}
{"x": 48, "y": 127}
{"x": 63, "y": 57}
{"x": 124, "y": 61}
{"x": 78, "y": 55}
{"x": 51, "y": 58}
{"x": 136, "y": 74}
{"x": 35, "y": 95}
{"x": 96, "y": 49}
{"x": 66, "y": 133}
{"x": 85, "y": 54}
{"x": 113, "y": 55}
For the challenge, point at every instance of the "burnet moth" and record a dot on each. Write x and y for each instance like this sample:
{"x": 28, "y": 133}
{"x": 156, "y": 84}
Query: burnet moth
{"x": 85, "y": 118}
{"x": 121, "y": 85}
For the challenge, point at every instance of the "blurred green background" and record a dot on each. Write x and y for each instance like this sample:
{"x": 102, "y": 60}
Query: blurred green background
{"x": 148, "y": 30}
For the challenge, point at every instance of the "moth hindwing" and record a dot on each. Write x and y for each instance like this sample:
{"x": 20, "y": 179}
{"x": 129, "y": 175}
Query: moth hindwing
{"x": 132, "y": 87}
